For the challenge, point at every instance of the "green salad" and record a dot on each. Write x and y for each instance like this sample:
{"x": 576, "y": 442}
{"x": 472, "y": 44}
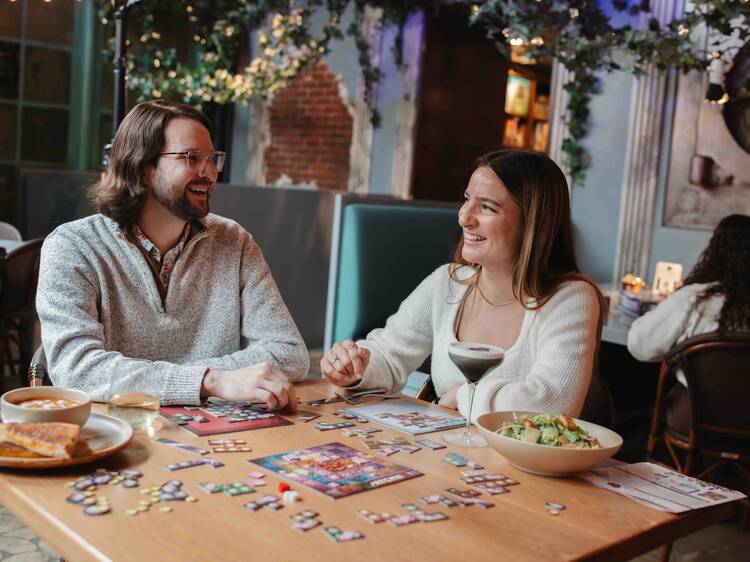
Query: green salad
{"x": 548, "y": 429}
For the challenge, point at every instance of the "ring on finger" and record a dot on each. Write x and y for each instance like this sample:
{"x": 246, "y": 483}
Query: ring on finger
{"x": 337, "y": 360}
{"x": 350, "y": 345}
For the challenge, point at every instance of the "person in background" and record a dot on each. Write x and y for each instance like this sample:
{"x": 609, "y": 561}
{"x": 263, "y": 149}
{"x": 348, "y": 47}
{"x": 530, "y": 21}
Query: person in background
{"x": 157, "y": 289}
{"x": 514, "y": 284}
{"x": 714, "y": 298}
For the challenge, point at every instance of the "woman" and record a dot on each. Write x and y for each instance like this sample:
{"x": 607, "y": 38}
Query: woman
{"x": 715, "y": 298}
{"x": 515, "y": 284}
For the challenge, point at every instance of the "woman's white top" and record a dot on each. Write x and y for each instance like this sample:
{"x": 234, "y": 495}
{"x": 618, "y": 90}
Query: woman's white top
{"x": 548, "y": 368}
{"x": 675, "y": 319}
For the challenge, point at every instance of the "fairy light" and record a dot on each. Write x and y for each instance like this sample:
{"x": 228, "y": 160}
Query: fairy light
{"x": 683, "y": 30}
{"x": 537, "y": 41}
{"x": 574, "y": 13}
{"x": 516, "y": 41}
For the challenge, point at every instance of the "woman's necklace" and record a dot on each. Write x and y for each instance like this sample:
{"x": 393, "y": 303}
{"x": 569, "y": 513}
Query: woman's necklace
{"x": 488, "y": 301}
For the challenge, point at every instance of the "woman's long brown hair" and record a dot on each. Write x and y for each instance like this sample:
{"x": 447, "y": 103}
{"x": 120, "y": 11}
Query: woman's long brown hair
{"x": 546, "y": 258}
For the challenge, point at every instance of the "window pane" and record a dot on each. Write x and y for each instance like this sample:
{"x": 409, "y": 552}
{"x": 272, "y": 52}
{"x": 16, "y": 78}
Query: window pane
{"x": 7, "y": 132}
{"x": 47, "y": 75}
{"x": 105, "y": 132}
{"x": 44, "y": 136}
{"x": 8, "y": 70}
{"x": 10, "y": 19}
{"x": 7, "y": 195}
{"x": 107, "y": 85}
{"x": 51, "y": 22}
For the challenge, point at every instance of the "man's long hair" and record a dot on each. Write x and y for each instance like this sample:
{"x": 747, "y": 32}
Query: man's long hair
{"x": 726, "y": 264}
{"x": 121, "y": 194}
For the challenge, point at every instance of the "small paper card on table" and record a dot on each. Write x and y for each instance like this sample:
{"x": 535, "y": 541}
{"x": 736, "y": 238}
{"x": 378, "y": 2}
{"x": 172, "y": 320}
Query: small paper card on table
{"x": 659, "y": 487}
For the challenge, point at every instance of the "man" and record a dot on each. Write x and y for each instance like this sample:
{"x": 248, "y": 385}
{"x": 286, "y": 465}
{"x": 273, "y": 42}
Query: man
{"x": 156, "y": 289}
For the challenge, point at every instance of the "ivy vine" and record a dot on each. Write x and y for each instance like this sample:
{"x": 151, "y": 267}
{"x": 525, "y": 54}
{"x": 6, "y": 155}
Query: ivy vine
{"x": 577, "y": 33}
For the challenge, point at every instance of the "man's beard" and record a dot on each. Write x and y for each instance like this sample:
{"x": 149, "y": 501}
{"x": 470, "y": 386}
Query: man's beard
{"x": 177, "y": 202}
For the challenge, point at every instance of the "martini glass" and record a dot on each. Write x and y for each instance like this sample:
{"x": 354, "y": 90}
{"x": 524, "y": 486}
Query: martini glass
{"x": 474, "y": 360}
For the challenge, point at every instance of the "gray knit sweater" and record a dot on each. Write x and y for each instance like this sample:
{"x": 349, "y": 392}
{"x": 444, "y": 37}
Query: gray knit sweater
{"x": 102, "y": 315}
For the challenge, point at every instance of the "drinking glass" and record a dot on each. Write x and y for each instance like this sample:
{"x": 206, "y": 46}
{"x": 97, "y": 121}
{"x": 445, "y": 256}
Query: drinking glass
{"x": 133, "y": 400}
{"x": 474, "y": 360}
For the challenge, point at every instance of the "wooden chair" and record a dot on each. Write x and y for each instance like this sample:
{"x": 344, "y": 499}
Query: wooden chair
{"x": 717, "y": 371}
{"x": 19, "y": 272}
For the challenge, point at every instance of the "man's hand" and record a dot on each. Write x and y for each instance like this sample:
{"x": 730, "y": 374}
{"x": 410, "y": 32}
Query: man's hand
{"x": 448, "y": 400}
{"x": 345, "y": 364}
{"x": 258, "y": 383}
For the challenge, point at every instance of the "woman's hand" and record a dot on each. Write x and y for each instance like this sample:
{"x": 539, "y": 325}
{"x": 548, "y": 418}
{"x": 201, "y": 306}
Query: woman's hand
{"x": 448, "y": 400}
{"x": 345, "y": 363}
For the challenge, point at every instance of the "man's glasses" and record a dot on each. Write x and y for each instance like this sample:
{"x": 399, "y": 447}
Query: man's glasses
{"x": 196, "y": 160}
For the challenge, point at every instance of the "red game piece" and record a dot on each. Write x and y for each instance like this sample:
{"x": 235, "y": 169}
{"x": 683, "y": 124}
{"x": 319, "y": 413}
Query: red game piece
{"x": 284, "y": 487}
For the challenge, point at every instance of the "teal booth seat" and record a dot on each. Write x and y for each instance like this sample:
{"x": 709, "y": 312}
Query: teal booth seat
{"x": 379, "y": 254}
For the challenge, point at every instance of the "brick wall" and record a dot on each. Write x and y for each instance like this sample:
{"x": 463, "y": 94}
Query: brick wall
{"x": 310, "y": 132}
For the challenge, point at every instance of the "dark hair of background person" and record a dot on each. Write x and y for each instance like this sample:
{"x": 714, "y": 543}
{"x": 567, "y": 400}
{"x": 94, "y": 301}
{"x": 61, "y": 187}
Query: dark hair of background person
{"x": 726, "y": 263}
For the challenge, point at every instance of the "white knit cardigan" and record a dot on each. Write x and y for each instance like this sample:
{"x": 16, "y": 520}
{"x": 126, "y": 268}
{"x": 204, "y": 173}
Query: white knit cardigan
{"x": 548, "y": 368}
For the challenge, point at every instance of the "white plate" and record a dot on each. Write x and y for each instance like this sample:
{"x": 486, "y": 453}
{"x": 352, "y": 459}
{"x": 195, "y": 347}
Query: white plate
{"x": 103, "y": 434}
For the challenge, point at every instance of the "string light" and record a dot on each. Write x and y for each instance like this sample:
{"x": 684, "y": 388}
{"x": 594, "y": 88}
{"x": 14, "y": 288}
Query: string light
{"x": 516, "y": 41}
{"x": 537, "y": 41}
{"x": 683, "y": 30}
{"x": 574, "y": 13}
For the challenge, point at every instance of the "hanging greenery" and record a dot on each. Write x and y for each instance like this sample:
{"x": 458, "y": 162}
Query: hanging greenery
{"x": 577, "y": 33}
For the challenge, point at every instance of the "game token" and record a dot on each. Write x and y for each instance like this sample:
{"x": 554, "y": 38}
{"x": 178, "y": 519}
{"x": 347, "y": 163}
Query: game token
{"x": 347, "y": 536}
{"x": 129, "y": 483}
{"x": 492, "y": 488}
{"x": 256, "y": 473}
{"x": 374, "y": 517}
{"x": 131, "y": 512}
{"x": 77, "y": 497}
{"x": 232, "y": 449}
{"x": 447, "y": 502}
{"x": 237, "y": 489}
{"x": 463, "y": 493}
{"x": 474, "y": 465}
{"x": 401, "y": 520}
{"x": 256, "y": 482}
{"x": 273, "y": 506}
{"x": 143, "y": 508}
{"x": 165, "y": 509}
{"x": 332, "y": 532}
{"x": 305, "y": 525}
{"x": 96, "y": 509}
{"x": 430, "y": 444}
{"x": 283, "y": 487}
{"x": 455, "y": 459}
{"x": 554, "y": 505}
{"x": 290, "y": 496}
{"x": 252, "y": 506}
{"x": 429, "y": 500}
{"x": 432, "y": 517}
{"x": 191, "y": 499}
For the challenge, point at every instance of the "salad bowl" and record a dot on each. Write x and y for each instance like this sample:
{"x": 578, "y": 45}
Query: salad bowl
{"x": 547, "y": 460}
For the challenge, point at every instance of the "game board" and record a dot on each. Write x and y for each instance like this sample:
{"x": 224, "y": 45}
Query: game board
{"x": 409, "y": 417}
{"x": 336, "y": 470}
{"x": 223, "y": 416}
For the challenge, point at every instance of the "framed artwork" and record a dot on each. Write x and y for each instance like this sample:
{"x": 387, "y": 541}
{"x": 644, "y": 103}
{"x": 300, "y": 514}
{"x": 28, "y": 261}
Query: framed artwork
{"x": 709, "y": 160}
{"x": 517, "y": 95}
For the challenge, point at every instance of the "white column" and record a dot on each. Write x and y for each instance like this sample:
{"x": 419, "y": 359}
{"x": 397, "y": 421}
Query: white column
{"x": 641, "y": 176}
{"x": 558, "y": 114}
{"x": 406, "y": 116}
{"x": 360, "y": 152}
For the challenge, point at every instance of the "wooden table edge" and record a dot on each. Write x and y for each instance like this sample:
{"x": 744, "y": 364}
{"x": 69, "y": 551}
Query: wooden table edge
{"x": 63, "y": 540}
{"x": 648, "y": 540}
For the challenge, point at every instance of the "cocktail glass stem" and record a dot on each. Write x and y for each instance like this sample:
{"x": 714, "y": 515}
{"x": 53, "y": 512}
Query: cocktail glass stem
{"x": 467, "y": 432}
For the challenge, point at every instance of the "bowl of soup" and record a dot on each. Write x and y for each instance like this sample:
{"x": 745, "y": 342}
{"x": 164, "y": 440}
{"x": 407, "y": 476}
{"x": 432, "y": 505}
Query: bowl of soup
{"x": 45, "y": 404}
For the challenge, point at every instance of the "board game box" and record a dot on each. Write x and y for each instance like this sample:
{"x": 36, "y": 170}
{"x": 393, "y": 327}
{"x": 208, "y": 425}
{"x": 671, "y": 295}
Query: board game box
{"x": 336, "y": 470}
{"x": 410, "y": 417}
{"x": 222, "y": 416}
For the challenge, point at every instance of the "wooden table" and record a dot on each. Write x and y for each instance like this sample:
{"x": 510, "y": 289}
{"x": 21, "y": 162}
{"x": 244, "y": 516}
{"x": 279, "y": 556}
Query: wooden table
{"x": 597, "y": 524}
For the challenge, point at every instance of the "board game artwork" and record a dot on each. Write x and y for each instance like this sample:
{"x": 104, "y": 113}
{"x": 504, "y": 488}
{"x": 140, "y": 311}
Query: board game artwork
{"x": 410, "y": 417}
{"x": 222, "y": 416}
{"x": 336, "y": 470}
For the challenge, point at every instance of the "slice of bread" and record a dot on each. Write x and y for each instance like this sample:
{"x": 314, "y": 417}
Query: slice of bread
{"x": 53, "y": 439}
